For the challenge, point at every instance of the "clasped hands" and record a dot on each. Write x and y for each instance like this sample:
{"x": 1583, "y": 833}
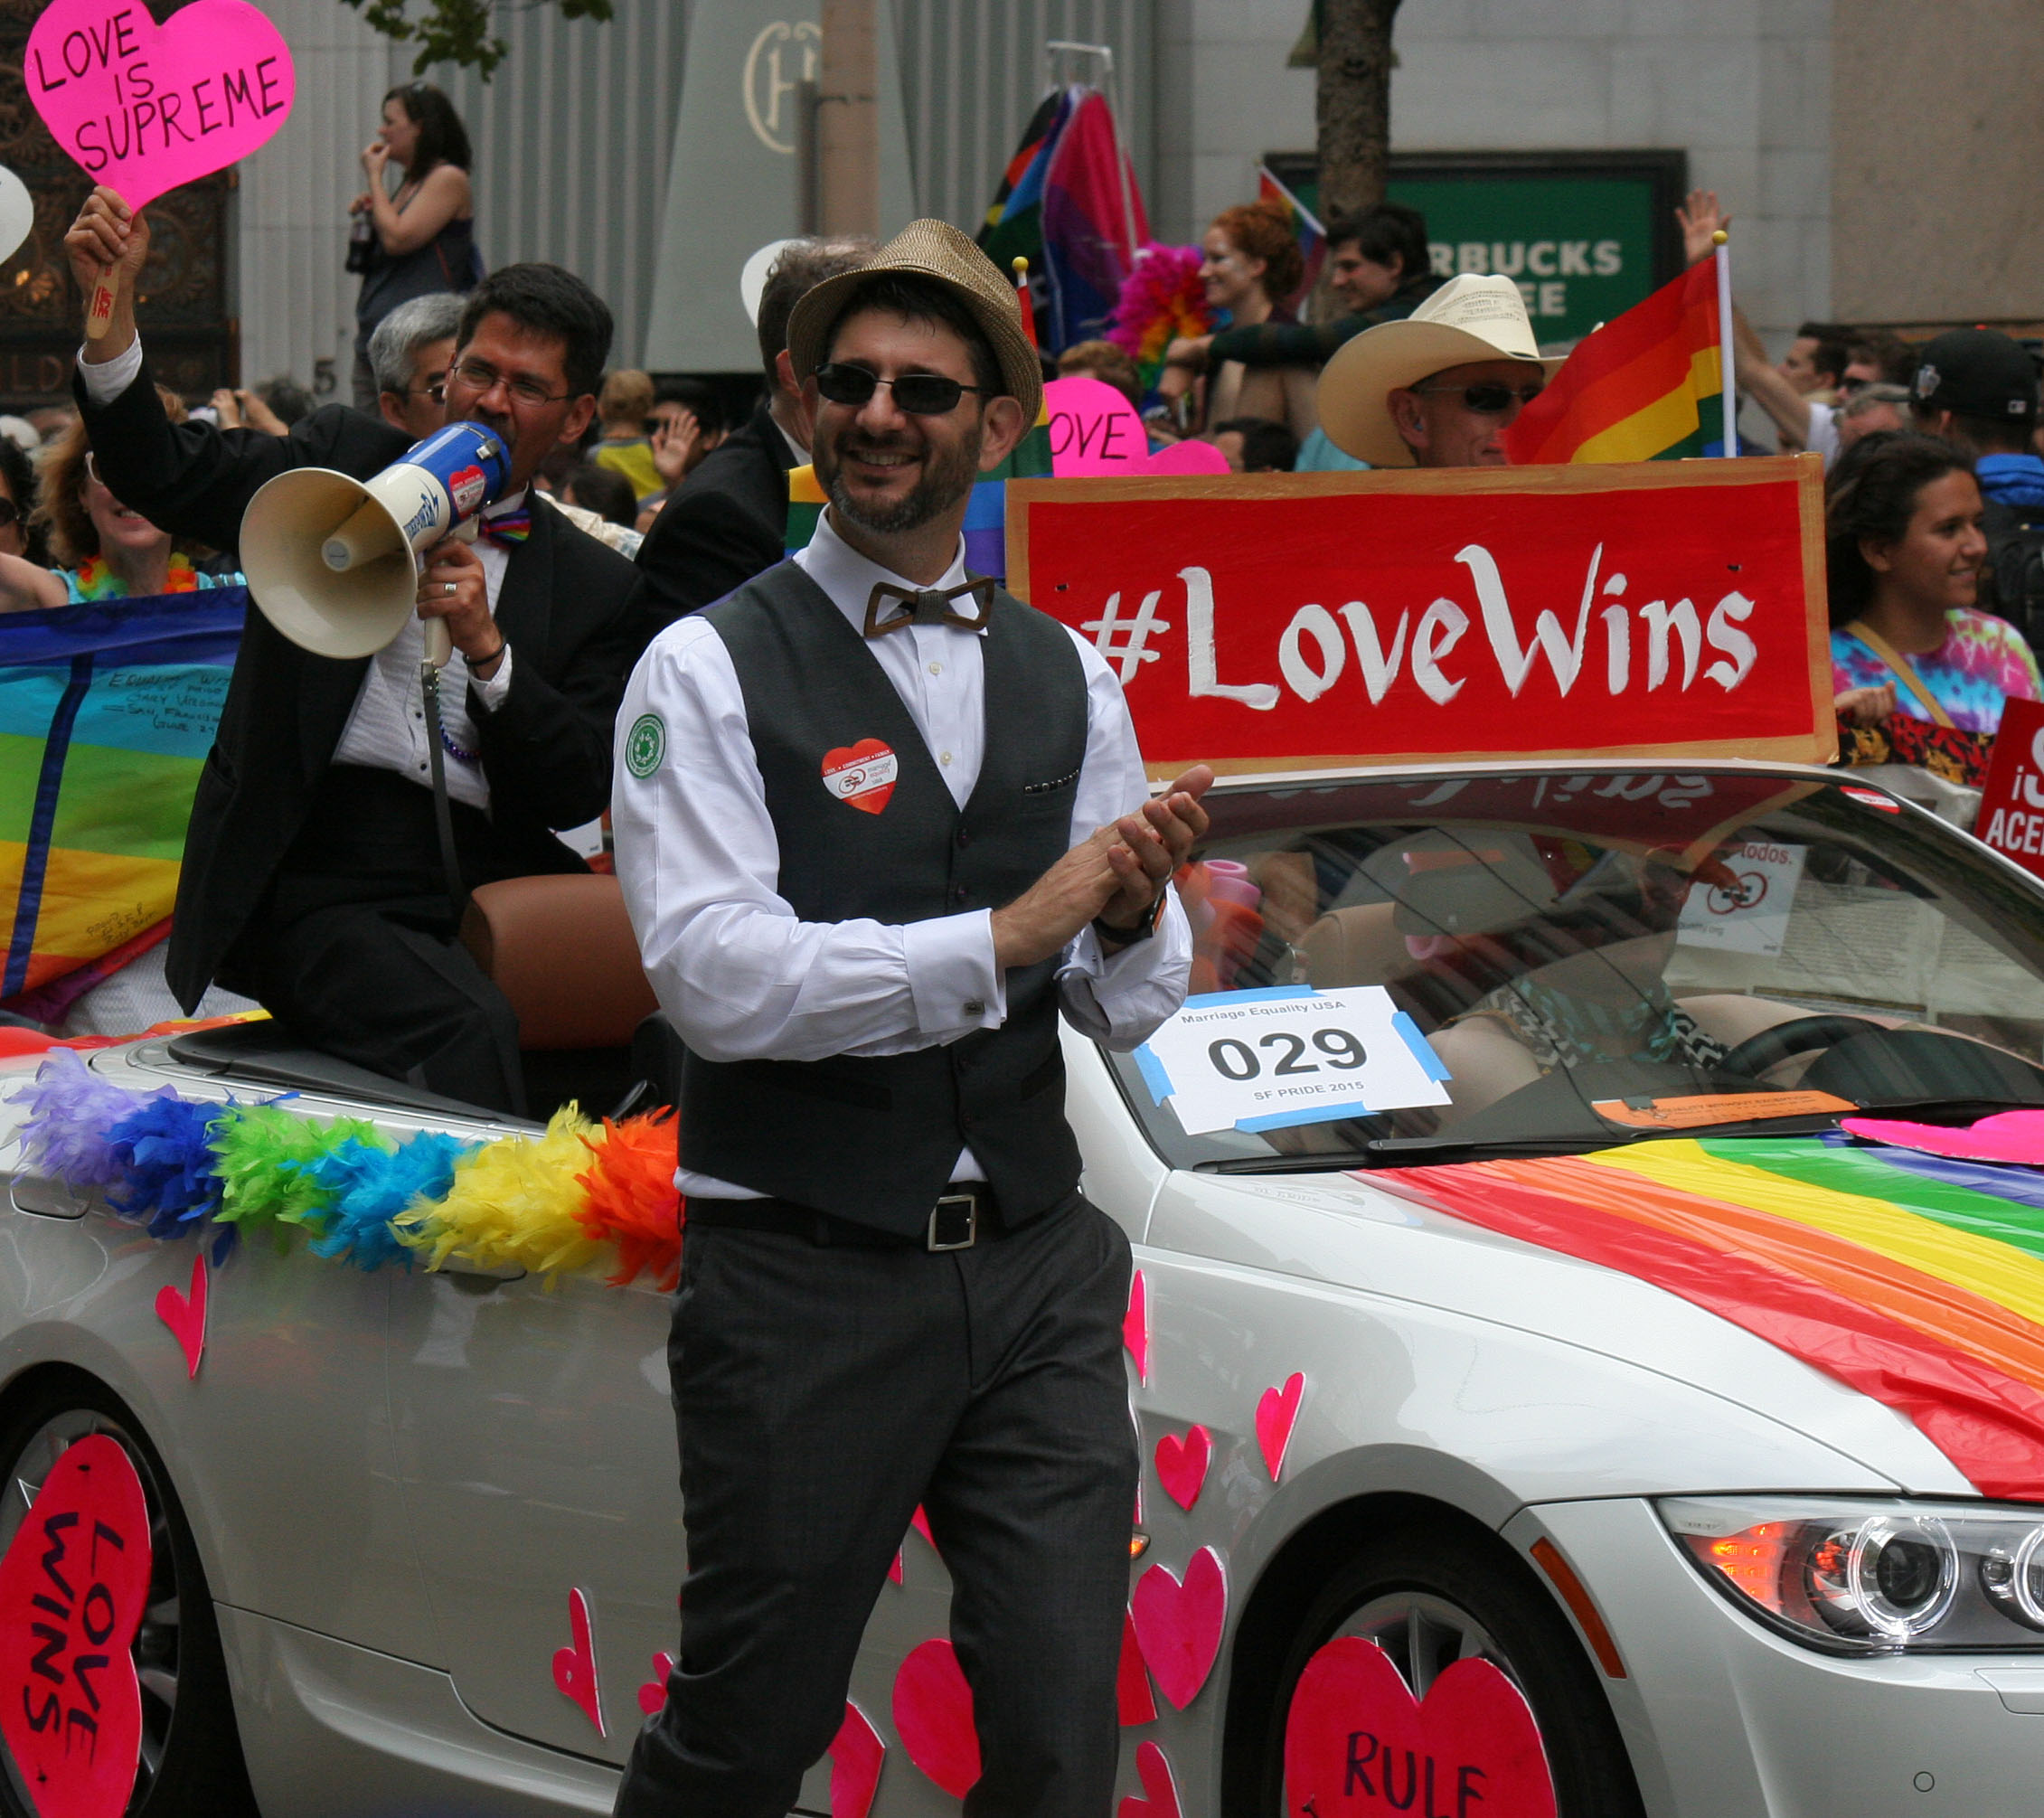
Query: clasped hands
{"x": 1114, "y": 876}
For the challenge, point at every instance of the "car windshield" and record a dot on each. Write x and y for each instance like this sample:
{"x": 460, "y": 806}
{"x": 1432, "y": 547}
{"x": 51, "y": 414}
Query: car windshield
{"x": 1587, "y": 958}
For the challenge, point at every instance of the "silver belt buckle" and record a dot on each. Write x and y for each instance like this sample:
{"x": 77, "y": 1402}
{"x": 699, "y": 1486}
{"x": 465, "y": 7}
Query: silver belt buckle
{"x": 970, "y": 1201}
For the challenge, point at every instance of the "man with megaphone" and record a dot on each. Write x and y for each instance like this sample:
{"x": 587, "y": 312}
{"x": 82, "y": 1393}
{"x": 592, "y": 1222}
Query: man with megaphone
{"x": 318, "y": 877}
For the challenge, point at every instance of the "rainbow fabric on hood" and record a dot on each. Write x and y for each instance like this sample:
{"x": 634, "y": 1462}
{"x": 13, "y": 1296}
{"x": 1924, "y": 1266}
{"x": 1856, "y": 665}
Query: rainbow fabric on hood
{"x": 1915, "y": 1279}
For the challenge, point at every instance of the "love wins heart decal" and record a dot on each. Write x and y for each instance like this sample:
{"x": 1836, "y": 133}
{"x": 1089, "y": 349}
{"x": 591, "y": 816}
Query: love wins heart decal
{"x": 73, "y": 1586}
{"x": 864, "y": 774}
{"x": 933, "y": 1716}
{"x": 1182, "y": 1464}
{"x": 1357, "y": 1743}
{"x": 145, "y": 108}
{"x": 574, "y": 1666}
{"x": 1177, "y": 1626}
{"x": 1159, "y": 1791}
{"x": 1277, "y": 1410}
{"x": 855, "y": 1756}
{"x": 186, "y": 1315}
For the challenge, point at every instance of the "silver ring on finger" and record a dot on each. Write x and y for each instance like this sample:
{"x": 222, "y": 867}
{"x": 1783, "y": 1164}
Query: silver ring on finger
{"x": 450, "y": 586}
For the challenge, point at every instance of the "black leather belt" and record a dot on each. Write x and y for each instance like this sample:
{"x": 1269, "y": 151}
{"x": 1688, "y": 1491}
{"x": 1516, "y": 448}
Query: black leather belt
{"x": 966, "y": 1216}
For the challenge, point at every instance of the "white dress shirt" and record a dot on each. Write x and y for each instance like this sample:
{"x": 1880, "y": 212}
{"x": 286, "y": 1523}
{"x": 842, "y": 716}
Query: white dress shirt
{"x": 697, "y": 855}
{"x": 386, "y": 729}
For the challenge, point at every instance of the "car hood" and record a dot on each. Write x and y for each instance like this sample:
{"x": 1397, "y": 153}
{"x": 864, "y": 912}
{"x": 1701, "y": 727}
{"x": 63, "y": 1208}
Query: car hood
{"x": 1889, "y": 1313}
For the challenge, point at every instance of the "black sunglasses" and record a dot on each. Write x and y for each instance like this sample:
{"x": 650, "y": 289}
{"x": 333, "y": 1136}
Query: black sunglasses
{"x": 919, "y": 395}
{"x": 1489, "y": 399}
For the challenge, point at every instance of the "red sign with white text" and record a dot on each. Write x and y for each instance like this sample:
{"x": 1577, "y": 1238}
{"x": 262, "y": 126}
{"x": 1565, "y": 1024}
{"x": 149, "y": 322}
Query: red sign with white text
{"x": 1297, "y": 621}
{"x": 2012, "y": 799}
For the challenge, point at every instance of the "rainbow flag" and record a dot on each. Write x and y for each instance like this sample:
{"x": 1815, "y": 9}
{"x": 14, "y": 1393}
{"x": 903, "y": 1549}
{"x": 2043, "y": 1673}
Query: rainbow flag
{"x": 106, "y": 712}
{"x": 1646, "y": 387}
{"x": 1306, "y": 227}
{"x": 1915, "y": 1279}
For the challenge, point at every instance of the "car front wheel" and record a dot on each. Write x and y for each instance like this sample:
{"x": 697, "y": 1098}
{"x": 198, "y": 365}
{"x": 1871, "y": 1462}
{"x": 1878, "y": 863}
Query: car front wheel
{"x": 1432, "y": 1596}
{"x": 191, "y": 1759}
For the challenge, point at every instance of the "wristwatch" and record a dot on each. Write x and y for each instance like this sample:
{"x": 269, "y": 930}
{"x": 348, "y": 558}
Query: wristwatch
{"x": 1143, "y": 930}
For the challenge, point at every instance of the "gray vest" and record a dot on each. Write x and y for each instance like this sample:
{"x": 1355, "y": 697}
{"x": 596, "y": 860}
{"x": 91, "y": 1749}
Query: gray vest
{"x": 875, "y": 1139}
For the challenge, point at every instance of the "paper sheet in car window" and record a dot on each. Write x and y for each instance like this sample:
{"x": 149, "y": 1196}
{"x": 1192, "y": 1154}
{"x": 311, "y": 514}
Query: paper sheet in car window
{"x": 1265, "y": 1060}
{"x": 1747, "y": 911}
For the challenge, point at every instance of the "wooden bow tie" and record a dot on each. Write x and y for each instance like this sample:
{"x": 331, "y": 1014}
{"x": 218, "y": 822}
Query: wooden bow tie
{"x": 928, "y": 606}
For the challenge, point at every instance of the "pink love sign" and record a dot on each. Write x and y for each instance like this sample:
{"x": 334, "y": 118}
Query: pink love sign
{"x": 143, "y": 106}
{"x": 1094, "y": 429}
{"x": 73, "y": 1586}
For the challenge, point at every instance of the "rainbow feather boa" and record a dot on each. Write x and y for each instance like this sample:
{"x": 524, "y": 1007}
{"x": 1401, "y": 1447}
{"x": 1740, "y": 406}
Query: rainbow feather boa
{"x": 583, "y": 1197}
{"x": 1162, "y": 301}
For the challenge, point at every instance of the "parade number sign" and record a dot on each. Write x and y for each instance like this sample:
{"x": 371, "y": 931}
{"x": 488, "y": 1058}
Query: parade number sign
{"x": 2012, "y": 800}
{"x": 1303, "y": 621}
{"x": 1263, "y": 1059}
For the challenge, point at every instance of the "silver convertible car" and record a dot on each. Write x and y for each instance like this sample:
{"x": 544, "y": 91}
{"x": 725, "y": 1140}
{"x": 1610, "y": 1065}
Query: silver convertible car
{"x": 1588, "y": 1349}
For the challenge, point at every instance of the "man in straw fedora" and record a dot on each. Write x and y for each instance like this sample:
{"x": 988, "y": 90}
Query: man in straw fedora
{"x": 879, "y": 825}
{"x": 1439, "y": 388}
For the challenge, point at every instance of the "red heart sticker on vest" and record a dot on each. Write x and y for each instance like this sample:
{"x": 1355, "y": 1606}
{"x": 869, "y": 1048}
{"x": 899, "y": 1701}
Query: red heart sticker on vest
{"x": 73, "y": 1589}
{"x": 1357, "y": 1742}
{"x": 863, "y": 773}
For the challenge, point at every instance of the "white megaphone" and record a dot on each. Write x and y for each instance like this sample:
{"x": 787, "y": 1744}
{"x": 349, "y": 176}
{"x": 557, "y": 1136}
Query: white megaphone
{"x": 334, "y": 562}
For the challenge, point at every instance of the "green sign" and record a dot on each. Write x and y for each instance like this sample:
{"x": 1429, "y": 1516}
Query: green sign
{"x": 1585, "y": 235}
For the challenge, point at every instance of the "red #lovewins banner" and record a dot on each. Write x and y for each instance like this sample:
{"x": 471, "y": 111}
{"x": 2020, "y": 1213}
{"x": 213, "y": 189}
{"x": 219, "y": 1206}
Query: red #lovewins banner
{"x": 1313, "y": 620}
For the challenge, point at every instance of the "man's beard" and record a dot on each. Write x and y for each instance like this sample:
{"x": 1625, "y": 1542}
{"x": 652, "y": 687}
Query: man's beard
{"x": 947, "y": 478}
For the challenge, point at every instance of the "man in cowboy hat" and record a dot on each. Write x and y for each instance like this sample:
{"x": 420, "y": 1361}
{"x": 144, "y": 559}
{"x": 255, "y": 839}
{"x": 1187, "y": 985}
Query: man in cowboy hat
{"x": 879, "y": 825}
{"x": 1439, "y": 388}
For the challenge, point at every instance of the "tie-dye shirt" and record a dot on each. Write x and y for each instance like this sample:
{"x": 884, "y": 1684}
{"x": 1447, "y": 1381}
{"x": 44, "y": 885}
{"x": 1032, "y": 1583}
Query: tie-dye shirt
{"x": 1983, "y": 662}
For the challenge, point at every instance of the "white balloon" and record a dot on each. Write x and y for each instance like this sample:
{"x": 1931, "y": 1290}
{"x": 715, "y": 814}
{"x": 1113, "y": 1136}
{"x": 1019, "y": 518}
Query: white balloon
{"x": 752, "y": 280}
{"x": 17, "y": 212}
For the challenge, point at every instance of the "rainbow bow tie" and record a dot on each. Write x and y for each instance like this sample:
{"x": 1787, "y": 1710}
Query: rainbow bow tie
{"x": 509, "y": 527}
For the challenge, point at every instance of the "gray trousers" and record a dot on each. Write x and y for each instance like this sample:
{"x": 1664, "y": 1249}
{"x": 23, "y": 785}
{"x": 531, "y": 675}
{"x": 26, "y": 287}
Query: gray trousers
{"x": 820, "y": 1394}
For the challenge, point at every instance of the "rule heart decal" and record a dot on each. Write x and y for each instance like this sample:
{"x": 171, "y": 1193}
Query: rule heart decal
{"x": 1159, "y": 1791}
{"x": 1133, "y": 1702}
{"x": 864, "y": 774}
{"x": 1136, "y": 1326}
{"x": 145, "y": 107}
{"x": 1178, "y": 1624}
{"x": 73, "y": 1586}
{"x": 652, "y": 1694}
{"x": 1182, "y": 1464}
{"x": 1357, "y": 1742}
{"x": 1277, "y": 1410}
{"x": 933, "y": 1716}
{"x": 574, "y": 1666}
{"x": 186, "y": 1315}
{"x": 855, "y": 1756}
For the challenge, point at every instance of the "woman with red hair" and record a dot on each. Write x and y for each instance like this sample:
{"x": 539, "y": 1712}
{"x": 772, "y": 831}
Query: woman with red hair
{"x": 1251, "y": 269}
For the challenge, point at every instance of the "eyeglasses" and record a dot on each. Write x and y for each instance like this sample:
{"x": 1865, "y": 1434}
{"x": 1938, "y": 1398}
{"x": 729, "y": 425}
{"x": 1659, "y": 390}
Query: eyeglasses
{"x": 481, "y": 378}
{"x": 919, "y": 395}
{"x": 1487, "y": 400}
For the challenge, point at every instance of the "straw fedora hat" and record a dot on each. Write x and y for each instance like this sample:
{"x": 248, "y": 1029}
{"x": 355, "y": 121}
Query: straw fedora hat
{"x": 936, "y": 251}
{"x": 1469, "y": 318}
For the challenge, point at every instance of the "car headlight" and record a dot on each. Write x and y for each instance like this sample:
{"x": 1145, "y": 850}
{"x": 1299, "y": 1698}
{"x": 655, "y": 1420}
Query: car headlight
{"x": 1872, "y": 1578}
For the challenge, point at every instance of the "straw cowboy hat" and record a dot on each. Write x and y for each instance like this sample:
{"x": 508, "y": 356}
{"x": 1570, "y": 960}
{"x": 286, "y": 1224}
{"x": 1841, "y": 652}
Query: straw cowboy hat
{"x": 936, "y": 251}
{"x": 1469, "y": 318}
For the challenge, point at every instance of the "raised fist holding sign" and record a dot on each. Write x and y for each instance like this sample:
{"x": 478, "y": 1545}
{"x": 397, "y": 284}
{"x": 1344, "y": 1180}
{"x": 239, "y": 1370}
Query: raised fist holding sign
{"x": 108, "y": 237}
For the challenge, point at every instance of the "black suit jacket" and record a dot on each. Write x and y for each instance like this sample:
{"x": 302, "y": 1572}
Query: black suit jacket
{"x": 572, "y": 610}
{"x": 724, "y": 525}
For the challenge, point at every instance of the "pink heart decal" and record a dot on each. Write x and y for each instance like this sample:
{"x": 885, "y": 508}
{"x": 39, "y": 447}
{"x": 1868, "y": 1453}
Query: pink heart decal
{"x": 73, "y": 1586}
{"x": 1357, "y": 1742}
{"x": 921, "y": 1524}
{"x": 574, "y": 1666}
{"x": 652, "y": 1694}
{"x": 894, "y": 1571}
{"x": 933, "y": 1716}
{"x": 1182, "y": 1464}
{"x": 864, "y": 774}
{"x": 1159, "y": 1791}
{"x": 2005, "y": 1136}
{"x": 186, "y": 1315}
{"x": 855, "y": 1763}
{"x": 145, "y": 107}
{"x": 1136, "y": 1326}
{"x": 1276, "y": 1409}
{"x": 1133, "y": 1702}
{"x": 1177, "y": 1626}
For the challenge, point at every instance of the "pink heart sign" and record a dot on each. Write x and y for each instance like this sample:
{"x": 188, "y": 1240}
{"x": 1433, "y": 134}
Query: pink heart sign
{"x": 144, "y": 108}
{"x": 652, "y": 1694}
{"x": 855, "y": 1763}
{"x": 186, "y": 1315}
{"x": 1357, "y": 1743}
{"x": 73, "y": 1585}
{"x": 574, "y": 1666}
{"x": 1178, "y": 1624}
{"x": 933, "y": 1716}
{"x": 1133, "y": 1702}
{"x": 1159, "y": 1791}
{"x": 1094, "y": 429}
{"x": 1182, "y": 1465}
{"x": 1136, "y": 1326}
{"x": 1277, "y": 1409}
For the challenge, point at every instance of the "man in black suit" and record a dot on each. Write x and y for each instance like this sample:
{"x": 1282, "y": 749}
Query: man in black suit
{"x": 313, "y": 876}
{"x": 727, "y": 521}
